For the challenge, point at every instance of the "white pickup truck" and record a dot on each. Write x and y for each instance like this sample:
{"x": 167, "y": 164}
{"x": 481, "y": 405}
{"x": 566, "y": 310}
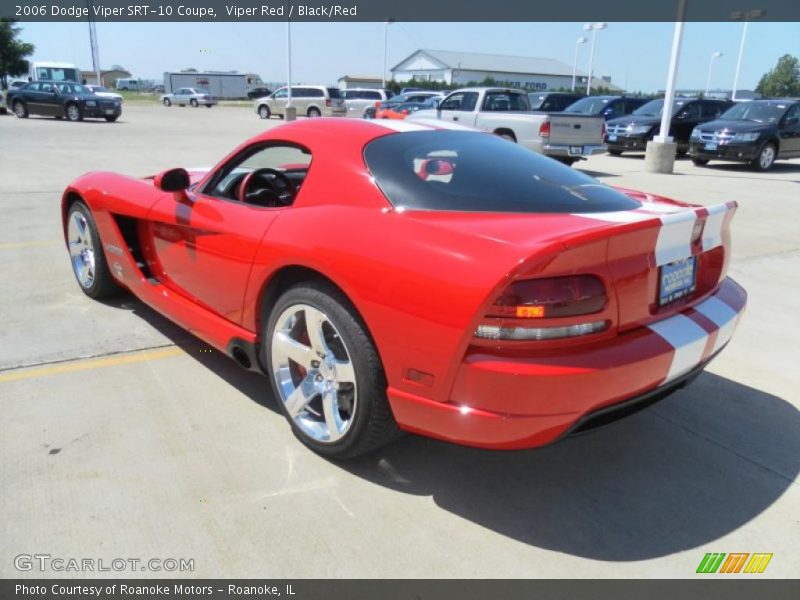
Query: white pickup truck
{"x": 506, "y": 112}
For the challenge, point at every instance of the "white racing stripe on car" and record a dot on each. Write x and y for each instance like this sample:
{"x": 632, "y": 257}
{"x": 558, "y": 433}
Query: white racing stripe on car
{"x": 687, "y": 338}
{"x": 712, "y": 232}
{"x": 619, "y": 216}
{"x": 723, "y": 316}
{"x": 675, "y": 237}
{"x": 399, "y": 125}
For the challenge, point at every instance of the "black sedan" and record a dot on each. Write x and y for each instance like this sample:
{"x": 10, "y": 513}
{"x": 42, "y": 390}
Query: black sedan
{"x": 631, "y": 133}
{"x": 61, "y": 99}
{"x": 757, "y": 132}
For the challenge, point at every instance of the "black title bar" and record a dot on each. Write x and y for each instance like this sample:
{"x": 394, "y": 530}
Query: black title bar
{"x": 399, "y": 10}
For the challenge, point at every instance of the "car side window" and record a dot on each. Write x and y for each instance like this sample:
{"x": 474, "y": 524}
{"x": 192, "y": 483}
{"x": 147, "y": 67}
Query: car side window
{"x": 465, "y": 101}
{"x": 690, "y": 111}
{"x": 710, "y": 110}
{"x": 282, "y": 93}
{"x": 792, "y": 115}
{"x": 291, "y": 161}
{"x": 614, "y": 108}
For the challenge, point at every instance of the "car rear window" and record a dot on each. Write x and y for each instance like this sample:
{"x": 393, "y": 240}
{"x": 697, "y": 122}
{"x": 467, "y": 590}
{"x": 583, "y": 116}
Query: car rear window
{"x": 478, "y": 172}
{"x": 334, "y": 92}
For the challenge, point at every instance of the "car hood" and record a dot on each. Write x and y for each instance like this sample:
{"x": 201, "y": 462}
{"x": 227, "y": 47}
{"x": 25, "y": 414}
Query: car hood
{"x": 738, "y": 126}
{"x": 635, "y": 120}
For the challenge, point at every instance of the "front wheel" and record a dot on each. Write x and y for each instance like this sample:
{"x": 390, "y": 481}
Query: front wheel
{"x": 112, "y": 118}
{"x": 700, "y": 162}
{"x": 615, "y": 152}
{"x": 167, "y": 102}
{"x": 264, "y": 112}
{"x": 73, "y": 112}
{"x": 765, "y": 158}
{"x": 326, "y": 372}
{"x": 193, "y": 102}
{"x": 86, "y": 253}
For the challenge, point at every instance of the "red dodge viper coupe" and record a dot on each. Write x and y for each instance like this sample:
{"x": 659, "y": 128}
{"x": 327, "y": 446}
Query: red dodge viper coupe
{"x": 389, "y": 276}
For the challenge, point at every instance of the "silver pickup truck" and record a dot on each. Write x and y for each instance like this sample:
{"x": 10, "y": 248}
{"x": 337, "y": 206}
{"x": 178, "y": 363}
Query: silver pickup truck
{"x": 507, "y": 113}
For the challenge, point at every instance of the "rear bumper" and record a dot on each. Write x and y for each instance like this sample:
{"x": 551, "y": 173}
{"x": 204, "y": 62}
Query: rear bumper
{"x": 732, "y": 152}
{"x": 508, "y": 402}
{"x": 563, "y": 150}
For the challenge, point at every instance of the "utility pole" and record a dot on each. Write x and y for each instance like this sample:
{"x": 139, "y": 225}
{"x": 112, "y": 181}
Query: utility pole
{"x": 93, "y": 43}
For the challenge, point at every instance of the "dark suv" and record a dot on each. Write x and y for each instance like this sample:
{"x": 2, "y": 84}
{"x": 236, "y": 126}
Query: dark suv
{"x": 609, "y": 107}
{"x": 552, "y": 101}
{"x": 631, "y": 133}
{"x": 756, "y": 132}
{"x": 62, "y": 99}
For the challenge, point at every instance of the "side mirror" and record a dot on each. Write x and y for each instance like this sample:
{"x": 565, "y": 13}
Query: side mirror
{"x": 174, "y": 180}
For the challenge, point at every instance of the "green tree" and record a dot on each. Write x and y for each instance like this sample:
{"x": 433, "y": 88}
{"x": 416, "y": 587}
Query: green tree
{"x": 13, "y": 51}
{"x": 783, "y": 80}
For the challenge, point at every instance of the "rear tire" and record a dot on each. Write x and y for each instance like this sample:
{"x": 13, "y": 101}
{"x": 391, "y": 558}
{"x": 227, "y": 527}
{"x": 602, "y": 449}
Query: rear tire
{"x": 700, "y": 162}
{"x": 313, "y": 113}
{"x": 264, "y": 111}
{"x": 765, "y": 158}
{"x": 348, "y": 398}
{"x": 86, "y": 254}
{"x": 20, "y": 110}
{"x": 112, "y": 118}
{"x": 615, "y": 152}
{"x": 567, "y": 161}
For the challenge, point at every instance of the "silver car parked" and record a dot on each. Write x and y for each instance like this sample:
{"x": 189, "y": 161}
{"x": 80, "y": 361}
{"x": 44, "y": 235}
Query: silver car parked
{"x": 357, "y": 101}
{"x": 308, "y": 100}
{"x": 190, "y": 96}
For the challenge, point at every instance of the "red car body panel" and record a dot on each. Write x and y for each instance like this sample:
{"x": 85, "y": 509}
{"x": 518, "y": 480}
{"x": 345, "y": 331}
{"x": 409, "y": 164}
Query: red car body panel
{"x": 423, "y": 281}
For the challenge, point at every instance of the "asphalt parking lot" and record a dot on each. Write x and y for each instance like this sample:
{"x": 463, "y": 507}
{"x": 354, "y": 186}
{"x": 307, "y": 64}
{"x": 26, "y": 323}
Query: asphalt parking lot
{"x": 123, "y": 436}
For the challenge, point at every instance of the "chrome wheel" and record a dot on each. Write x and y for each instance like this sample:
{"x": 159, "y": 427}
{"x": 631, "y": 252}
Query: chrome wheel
{"x": 19, "y": 110}
{"x": 73, "y": 112}
{"x": 81, "y": 249}
{"x": 314, "y": 373}
{"x": 767, "y": 157}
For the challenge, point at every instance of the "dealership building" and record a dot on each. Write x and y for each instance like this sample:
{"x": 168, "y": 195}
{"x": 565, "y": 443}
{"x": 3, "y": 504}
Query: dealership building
{"x": 460, "y": 68}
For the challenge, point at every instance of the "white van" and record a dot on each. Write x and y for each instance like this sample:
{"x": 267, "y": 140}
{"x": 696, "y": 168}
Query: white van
{"x": 126, "y": 84}
{"x": 53, "y": 71}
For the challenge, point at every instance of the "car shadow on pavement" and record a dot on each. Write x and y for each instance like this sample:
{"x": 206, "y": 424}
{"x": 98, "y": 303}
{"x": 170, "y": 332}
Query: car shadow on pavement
{"x": 679, "y": 475}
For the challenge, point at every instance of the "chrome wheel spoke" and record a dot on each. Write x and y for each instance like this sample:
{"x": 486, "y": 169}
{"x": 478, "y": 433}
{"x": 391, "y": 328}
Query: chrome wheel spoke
{"x": 344, "y": 372}
{"x": 314, "y": 322}
{"x": 330, "y": 408}
{"x": 293, "y": 349}
{"x": 299, "y": 398}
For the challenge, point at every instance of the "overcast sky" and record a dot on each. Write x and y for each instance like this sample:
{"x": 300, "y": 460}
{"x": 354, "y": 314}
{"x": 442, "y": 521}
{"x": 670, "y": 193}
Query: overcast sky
{"x": 635, "y": 55}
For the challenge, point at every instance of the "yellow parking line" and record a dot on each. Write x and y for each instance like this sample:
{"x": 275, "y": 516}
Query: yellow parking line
{"x": 91, "y": 364}
{"x": 28, "y": 244}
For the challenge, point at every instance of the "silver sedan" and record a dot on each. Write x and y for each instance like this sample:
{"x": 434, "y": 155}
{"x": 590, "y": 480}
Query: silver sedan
{"x": 190, "y": 96}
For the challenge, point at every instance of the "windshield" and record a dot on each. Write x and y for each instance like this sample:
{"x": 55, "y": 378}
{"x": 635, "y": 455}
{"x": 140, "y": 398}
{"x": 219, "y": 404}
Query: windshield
{"x": 590, "y": 105}
{"x": 762, "y": 112}
{"x": 654, "y": 108}
{"x": 476, "y": 172}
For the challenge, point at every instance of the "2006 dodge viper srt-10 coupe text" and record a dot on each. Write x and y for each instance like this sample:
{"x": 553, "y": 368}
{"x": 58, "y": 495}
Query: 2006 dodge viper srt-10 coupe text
{"x": 389, "y": 276}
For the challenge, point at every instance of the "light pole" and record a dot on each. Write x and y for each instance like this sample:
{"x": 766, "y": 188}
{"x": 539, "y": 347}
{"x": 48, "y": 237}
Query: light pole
{"x": 578, "y": 42}
{"x": 714, "y": 56}
{"x": 593, "y": 27}
{"x": 288, "y": 66}
{"x": 93, "y": 44}
{"x": 746, "y": 16}
{"x": 386, "y": 24}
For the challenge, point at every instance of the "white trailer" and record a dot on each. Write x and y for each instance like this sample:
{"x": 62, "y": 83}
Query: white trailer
{"x": 221, "y": 85}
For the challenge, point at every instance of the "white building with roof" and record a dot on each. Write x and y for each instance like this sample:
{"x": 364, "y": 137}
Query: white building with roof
{"x": 460, "y": 68}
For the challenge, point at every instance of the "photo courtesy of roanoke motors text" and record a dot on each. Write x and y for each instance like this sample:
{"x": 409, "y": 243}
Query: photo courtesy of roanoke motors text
{"x": 367, "y": 299}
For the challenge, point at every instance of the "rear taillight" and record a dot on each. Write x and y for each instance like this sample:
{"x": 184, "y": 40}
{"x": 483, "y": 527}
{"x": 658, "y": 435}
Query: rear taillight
{"x": 378, "y": 104}
{"x": 550, "y": 298}
{"x": 327, "y": 101}
{"x": 544, "y": 128}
